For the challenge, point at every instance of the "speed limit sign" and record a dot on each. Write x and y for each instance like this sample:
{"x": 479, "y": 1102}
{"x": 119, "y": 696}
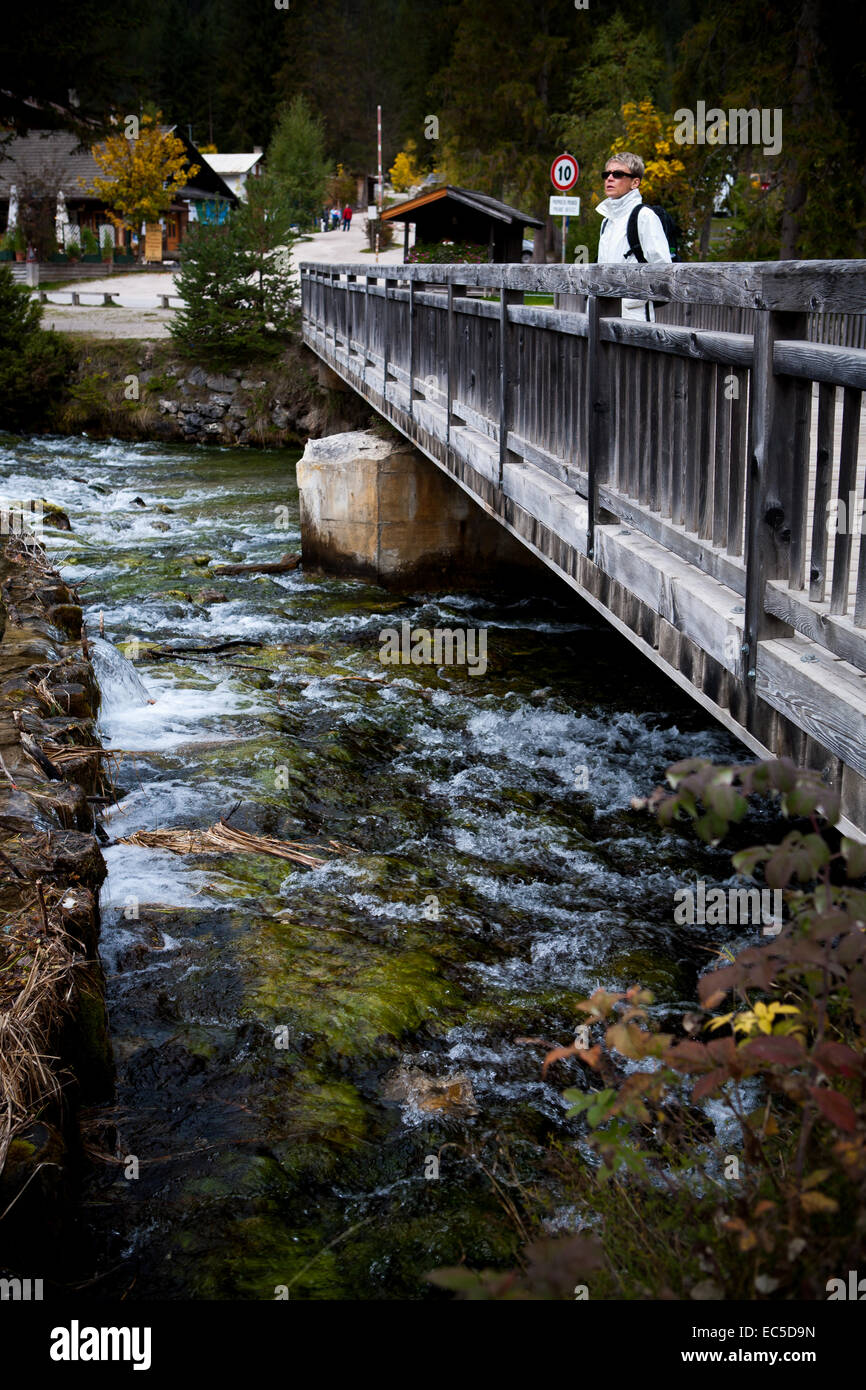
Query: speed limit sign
{"x": 564, "y": 172}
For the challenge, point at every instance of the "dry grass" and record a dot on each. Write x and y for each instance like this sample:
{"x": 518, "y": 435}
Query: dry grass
{"x": 221, "y": 838}
{"x": 36, "y": 985}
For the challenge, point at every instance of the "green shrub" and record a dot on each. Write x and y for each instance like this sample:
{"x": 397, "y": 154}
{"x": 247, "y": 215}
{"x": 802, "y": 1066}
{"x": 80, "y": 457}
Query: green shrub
{"x": 34, "y": 364}
{"x": 448, "y": 253}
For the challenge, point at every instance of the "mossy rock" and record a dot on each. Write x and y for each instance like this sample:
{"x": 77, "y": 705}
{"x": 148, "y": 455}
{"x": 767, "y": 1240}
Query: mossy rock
{"x": 668, "y": 979}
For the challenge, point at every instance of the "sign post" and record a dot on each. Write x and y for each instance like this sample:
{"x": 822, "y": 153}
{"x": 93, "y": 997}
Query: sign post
{"x": 564, "y": 173}
{"x": 380, "y": 189}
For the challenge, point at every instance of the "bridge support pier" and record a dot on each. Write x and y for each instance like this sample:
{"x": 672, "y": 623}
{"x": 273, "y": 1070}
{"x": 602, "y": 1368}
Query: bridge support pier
{"x": 380, "y": 510}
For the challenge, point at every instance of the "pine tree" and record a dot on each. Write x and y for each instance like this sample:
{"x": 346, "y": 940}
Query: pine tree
{"x": 236, "y": 284}
{"x": 297, "y": 163}
{"x": 34, "y": 363}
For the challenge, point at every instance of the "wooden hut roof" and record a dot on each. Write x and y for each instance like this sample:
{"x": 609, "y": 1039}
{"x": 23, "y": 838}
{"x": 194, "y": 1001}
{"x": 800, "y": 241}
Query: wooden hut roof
{"x": 479, "y": 202}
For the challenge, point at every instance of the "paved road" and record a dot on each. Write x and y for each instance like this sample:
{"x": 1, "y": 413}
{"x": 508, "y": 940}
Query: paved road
{"x": 139, "y": 314}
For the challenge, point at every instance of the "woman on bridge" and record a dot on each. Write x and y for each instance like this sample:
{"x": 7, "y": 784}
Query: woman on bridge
{"x": 628, "y": 226}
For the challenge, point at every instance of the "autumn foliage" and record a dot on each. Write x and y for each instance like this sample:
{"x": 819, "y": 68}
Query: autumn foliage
{"x": 141, "y": 174}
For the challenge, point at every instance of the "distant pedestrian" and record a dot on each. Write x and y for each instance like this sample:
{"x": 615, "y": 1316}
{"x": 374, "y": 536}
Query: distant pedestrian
{"x": 335, "y": 219}
{"x": 628, "y": 225}
{"x": 347, "y": 218}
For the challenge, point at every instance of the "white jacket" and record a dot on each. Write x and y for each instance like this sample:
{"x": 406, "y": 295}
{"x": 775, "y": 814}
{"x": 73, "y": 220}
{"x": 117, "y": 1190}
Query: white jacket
{"x": 613, "y": 246}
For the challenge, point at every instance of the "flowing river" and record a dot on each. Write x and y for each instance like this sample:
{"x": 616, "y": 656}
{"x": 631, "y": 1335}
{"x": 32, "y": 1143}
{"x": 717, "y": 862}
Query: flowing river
{"x": 324, "y": 1083}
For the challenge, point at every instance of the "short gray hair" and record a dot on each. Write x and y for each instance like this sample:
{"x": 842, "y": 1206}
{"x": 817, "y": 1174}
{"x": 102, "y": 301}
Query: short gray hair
{"x": 632, "y": 162}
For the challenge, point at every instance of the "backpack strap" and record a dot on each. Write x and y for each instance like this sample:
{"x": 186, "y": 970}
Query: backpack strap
{"x": 634, "y": 247}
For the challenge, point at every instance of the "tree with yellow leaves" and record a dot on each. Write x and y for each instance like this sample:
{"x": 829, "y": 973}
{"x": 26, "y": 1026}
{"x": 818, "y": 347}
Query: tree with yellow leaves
{"x": 142, "y": 170}
{"x": 682, "y": 178}
{"x": 404, "y": 172}
{"x": 651, "y": 135}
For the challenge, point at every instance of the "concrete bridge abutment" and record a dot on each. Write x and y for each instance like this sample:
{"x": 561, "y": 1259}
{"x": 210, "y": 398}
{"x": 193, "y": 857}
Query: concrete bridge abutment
{"x": 380, "y": 510}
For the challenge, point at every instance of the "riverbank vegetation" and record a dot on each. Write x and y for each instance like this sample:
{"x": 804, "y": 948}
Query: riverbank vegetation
{"x": 723, "y": 1154}
{"x": 34, "y": 362}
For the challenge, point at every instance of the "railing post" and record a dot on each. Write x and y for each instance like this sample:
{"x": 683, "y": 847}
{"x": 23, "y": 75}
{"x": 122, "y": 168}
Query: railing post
{"x": 599, "y": 388}
{"x": 506, "y": 297}
{"x": 350, "y": 280}
{"x": 366, "y": 328}
{"x": 769, "y": 480}
{"x": 335, "y": 280}
{"x": 454, "y": 292}
{"x": 411, "y": 344}
{"x": 390, "y": 304}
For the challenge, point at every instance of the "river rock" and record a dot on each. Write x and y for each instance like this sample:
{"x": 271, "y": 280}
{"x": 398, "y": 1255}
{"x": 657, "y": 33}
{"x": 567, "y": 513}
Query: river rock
{"x": 197, "y": 377}
{"x": 19, "y": 813}
{"x": 280, "y": 417}
{"x": 72, "y": 699}
{"x": 453, "y": 1094}
{"x": 76, "y": 855}
{"x": 168, "y": 407}
{"x": 211, "y": 596}
{"x": 219, "y": 383}
{"x": 55, "y": 517}
{"x": 248, "y": 384}
{"x": 66, "y": 616}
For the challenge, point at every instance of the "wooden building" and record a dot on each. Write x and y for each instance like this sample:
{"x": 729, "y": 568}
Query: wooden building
{"x": 456, "y": 214}
{"x": 44, "y": 163}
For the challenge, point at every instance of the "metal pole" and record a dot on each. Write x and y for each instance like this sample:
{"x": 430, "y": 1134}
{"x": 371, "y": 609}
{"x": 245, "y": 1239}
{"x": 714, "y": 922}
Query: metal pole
{"x": 379, "y": 200}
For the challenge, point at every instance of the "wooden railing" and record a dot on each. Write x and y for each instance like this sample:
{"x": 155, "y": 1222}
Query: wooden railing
{"x": 730, "y": 448}
{"x": 837, "y": 330}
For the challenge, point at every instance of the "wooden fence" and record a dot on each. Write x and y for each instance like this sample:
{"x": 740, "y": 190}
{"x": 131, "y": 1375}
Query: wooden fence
{"x": 838, "y": 330}
{"x": 734, "y": 448}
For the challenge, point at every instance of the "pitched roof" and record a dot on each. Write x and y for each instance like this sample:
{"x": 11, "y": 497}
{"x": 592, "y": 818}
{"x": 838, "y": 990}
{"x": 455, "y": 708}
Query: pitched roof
{"x": 479, "y": 202}
{"x": 55, "y": 155}
{"x": 58, "y": 157}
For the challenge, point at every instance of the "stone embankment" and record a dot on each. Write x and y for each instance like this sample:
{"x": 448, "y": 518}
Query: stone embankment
{"x": 54, "y": 1050}
{"x": 148, "y": 391}
{"x": 243, "y": 407}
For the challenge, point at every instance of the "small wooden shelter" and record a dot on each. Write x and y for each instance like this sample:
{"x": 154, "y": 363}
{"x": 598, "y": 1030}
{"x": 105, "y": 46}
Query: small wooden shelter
{"x": 449, "y": 213}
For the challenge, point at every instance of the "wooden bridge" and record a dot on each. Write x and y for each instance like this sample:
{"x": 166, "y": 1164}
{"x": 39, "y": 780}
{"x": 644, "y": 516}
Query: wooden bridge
{"x": 684, "y": 480}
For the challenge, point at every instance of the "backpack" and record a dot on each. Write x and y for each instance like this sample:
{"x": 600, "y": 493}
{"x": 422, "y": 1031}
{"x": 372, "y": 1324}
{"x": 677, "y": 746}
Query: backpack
{"x": 669, "y": 227}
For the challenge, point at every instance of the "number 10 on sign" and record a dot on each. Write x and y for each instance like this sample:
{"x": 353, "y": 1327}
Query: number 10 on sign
{"x": 564, "y": 173}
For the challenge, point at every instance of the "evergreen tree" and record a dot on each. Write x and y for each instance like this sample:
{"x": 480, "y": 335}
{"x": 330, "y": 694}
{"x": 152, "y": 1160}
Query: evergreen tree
{"x": 297, "y": 164}
{"x": 235, "y": 282}
{"x": 34, "y": 363}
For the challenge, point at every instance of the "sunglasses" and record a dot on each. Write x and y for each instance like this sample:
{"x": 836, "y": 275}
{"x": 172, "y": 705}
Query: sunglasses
{"x": 617, "y": 174}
